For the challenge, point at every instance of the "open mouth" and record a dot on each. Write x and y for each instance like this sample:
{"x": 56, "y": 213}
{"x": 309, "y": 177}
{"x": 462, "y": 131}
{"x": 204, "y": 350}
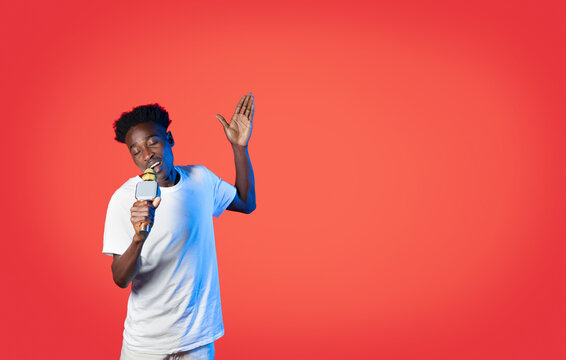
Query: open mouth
{"x": 155, "y": 164}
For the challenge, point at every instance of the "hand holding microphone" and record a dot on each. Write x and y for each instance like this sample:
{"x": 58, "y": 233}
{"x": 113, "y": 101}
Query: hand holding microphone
{"x": 143, "y": 210}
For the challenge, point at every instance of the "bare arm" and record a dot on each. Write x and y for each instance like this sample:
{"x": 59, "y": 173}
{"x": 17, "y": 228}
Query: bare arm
{"x": 244, "y": 201}
{"x": 126, "y": 266}
{"x": 238, "y": 133}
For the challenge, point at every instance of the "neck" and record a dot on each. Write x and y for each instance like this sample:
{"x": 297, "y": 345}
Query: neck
{"x": 172, "y": 178}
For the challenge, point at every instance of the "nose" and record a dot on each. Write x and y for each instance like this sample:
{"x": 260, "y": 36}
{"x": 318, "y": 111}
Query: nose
{"x": 147, "y": 154}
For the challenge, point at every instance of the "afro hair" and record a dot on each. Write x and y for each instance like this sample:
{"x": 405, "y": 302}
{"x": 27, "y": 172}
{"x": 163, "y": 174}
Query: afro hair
{"x": 140, "y": 114}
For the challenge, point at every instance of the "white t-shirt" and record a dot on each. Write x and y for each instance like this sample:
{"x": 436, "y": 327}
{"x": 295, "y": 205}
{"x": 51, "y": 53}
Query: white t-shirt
{"x": 174, "y": 304}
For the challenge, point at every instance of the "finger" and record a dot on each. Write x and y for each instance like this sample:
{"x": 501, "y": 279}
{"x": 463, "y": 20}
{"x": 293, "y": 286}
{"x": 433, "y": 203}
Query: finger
{"x": 138, "y": 211}
{"x": 141, "y": 203}
{"x": 144, "y": 207}
{"x": 251, "y": 103}
{"x": 156, "y": 202}
{"x": 141, "y": 216}
{"x": 247, "y": 113}
{"x": 252, "y": 98}
{"x": 222, "y": 120}
{"x": 138, "y": 220}
{"x": 252, "y": 113}
{"x": 245, "y": 105}
{"x": 143, "y": 211}
{"x": 239, "y": 106}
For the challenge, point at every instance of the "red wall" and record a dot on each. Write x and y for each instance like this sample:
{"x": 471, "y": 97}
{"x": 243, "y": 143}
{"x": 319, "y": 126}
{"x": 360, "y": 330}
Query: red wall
{"x": 409, "y": 160}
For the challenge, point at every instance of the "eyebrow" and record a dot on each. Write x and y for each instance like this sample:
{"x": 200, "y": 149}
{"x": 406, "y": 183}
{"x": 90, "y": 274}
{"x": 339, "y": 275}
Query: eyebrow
{"x": 134, "y": 144}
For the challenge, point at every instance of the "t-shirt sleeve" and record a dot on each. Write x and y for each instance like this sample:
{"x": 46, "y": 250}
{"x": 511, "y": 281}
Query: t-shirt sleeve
{"x": 118, "y": 230}
{"x": 223, "y": 193}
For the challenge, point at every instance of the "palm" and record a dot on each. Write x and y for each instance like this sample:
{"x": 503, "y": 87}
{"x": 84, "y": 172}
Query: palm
{"x": 239, "y": 130}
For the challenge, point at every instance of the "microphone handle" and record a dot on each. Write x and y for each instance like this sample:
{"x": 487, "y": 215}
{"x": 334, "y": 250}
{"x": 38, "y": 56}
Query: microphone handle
{"x": 145, "y": 229}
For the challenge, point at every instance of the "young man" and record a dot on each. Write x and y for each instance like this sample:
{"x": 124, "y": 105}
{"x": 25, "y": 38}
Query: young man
{"x": 174, "y": 305}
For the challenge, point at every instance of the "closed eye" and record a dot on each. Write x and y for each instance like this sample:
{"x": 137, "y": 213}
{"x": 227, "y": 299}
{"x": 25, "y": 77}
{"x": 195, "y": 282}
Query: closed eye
{"x": 153, "y": 141}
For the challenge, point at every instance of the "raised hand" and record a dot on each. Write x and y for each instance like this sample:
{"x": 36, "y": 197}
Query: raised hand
{"x": 239, "y": 130}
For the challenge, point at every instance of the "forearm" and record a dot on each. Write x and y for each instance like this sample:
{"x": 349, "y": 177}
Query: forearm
{"x": 126, "y": 266}
{"x": 245, "y": 183}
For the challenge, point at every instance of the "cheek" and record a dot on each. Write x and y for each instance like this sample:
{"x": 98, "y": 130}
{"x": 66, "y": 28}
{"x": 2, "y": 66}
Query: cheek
{"x": 137, "y": 163}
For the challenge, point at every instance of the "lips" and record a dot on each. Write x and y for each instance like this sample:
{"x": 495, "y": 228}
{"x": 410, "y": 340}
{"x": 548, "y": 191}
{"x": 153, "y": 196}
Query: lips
{"x": 154, "y": 164}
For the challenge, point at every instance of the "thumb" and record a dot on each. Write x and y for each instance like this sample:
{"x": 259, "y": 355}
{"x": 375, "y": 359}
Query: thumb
{"x": 222, "y": 120}
{"x": 156, "y": 202}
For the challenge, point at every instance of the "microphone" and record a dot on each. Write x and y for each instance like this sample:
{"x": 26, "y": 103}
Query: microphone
{"x": 147, "y": 190}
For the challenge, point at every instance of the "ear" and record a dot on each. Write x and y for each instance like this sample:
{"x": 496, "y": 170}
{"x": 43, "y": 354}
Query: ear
{"x": 170, "y": 138}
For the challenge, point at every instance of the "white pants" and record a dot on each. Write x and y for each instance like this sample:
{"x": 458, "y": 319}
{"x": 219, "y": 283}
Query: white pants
{"x": 205, "y": 352}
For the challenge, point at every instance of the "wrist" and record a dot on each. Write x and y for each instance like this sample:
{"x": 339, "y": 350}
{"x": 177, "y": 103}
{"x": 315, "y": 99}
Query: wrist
{"x": 238, "y": 147}
{"x": 139, "y": 238}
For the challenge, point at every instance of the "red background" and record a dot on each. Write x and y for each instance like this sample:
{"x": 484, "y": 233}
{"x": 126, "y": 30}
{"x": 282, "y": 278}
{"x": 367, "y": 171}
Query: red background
{"x": 409, "y": 163}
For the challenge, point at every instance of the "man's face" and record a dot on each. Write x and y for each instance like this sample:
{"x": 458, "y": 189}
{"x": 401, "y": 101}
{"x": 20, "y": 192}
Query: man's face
{"x": 148, "y": 144}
